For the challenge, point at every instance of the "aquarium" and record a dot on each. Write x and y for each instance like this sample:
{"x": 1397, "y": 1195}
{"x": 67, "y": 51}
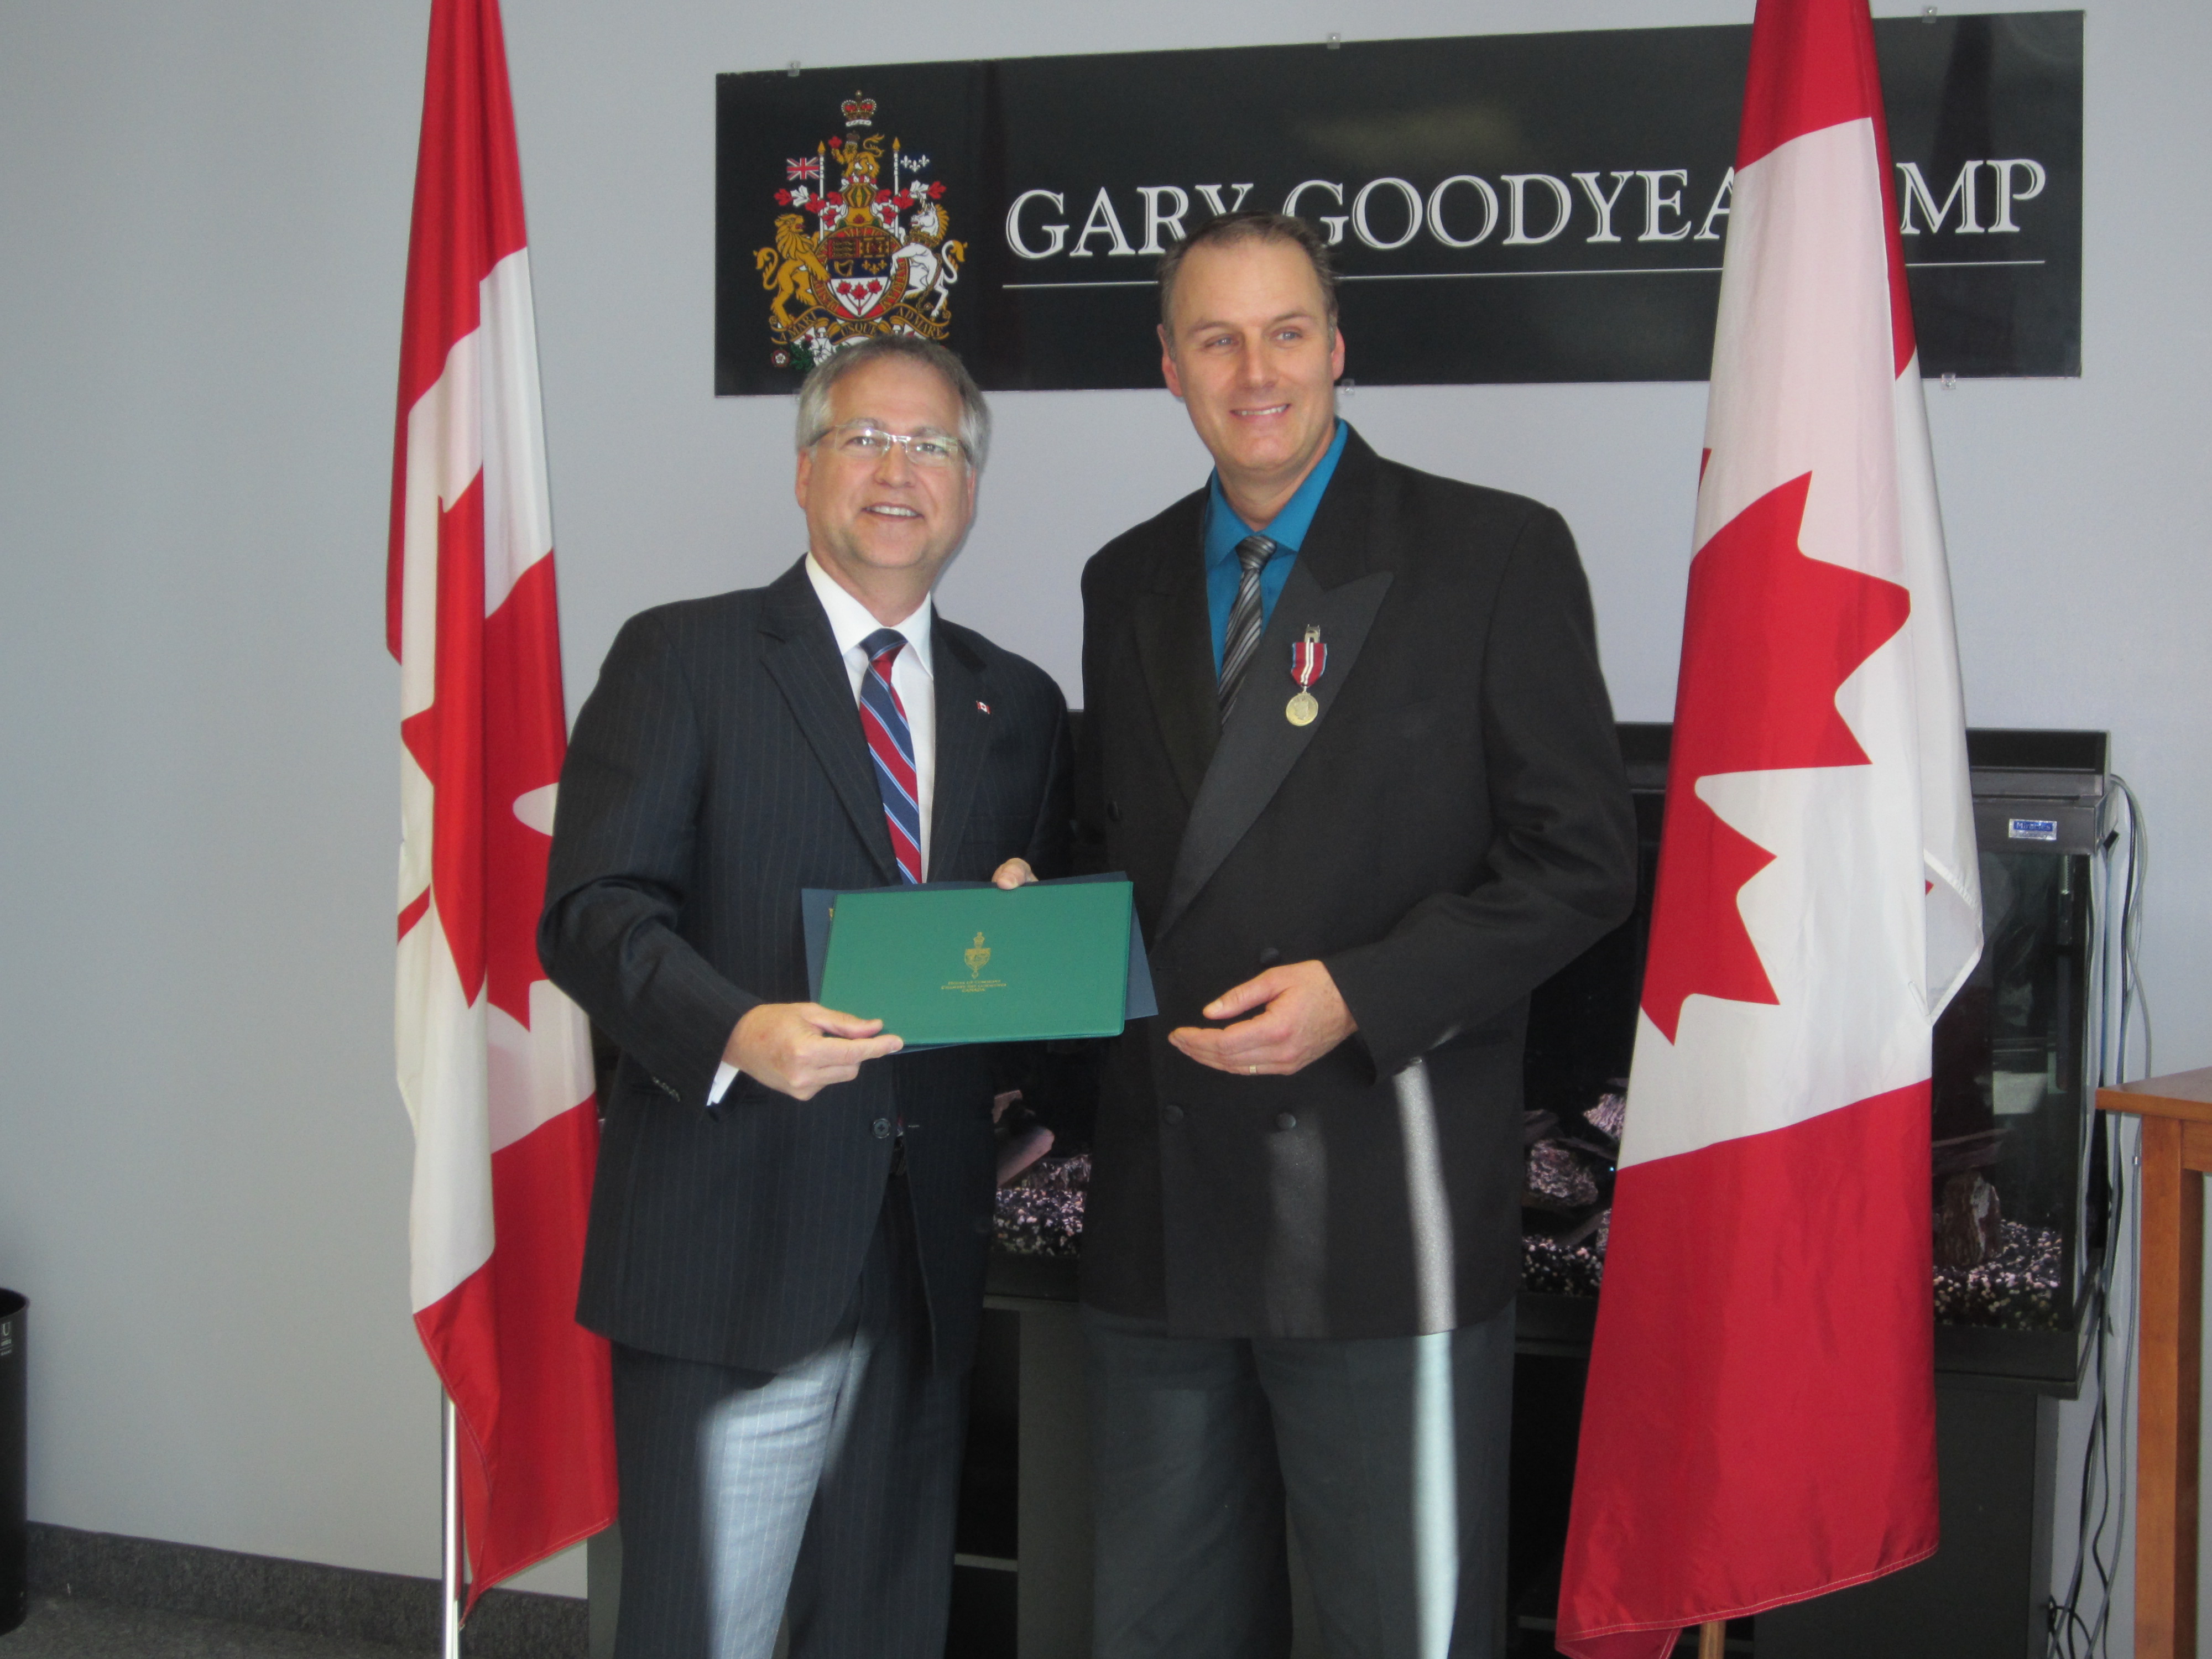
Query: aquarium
{"x": 2015, "y": 1191}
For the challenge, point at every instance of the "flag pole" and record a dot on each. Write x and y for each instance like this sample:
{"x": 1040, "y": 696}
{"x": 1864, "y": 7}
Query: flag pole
{"x": 453, "y": 1581}
{"x": 1712, "y": 1636}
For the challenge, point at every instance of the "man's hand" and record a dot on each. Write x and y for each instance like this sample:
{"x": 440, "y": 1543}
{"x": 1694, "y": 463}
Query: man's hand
{"x": 1014, "y": 872}
{"x": 799, "y": 1048}
{"x": 1305, "y": 1017}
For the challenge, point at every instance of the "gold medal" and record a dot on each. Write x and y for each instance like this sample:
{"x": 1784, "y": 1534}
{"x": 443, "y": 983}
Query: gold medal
{"x": 1307, "y": 657}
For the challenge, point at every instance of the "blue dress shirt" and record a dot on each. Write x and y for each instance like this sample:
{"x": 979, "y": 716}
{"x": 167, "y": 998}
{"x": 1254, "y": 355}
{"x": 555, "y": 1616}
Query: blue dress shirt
{"x": 1287, "y": 530}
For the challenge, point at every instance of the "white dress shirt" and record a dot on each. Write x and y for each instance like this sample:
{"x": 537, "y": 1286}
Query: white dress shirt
{"x": 851, "y": 621}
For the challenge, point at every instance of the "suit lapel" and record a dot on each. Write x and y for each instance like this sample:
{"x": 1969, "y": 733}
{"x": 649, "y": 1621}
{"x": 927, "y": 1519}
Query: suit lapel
{"x": 1174, "y": 649}
{"x": 801, "y": 656}
{"x": 1330, "y": 587}
{"x": 1259, "y": 746}
{"x": 963, "y": 734}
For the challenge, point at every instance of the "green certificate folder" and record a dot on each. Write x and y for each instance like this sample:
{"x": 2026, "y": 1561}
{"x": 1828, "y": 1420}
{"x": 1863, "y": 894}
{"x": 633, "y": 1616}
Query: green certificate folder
{"x": 979, "y": 965}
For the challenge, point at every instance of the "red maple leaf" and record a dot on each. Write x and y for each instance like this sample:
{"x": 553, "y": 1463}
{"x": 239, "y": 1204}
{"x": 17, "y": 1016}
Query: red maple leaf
{"x": 525, "y": 733}
{"x": 446, "y": 738}
{"x": 494, "y": 733}
{"x": 1768, "y": 637}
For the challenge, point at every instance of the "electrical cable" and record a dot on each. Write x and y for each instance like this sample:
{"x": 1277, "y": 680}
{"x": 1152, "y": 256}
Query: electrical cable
{"x": 2126, "y": 1438}
{"x": 2113, "y": 1445}
{"x": 2132, "y": 996}
{"x": 2131, "y": 987}
{"x": 2103, "y": 1496}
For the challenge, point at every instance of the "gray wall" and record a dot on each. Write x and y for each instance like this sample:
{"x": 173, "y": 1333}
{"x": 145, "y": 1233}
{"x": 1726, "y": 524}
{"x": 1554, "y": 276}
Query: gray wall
{"x": 202, "y": 224}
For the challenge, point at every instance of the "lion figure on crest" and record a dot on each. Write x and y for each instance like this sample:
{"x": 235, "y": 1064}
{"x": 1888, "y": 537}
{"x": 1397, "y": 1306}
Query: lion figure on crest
{"x": 791, "y": 268}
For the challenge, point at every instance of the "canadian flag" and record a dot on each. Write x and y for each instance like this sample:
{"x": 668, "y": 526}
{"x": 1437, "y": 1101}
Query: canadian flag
{"x": 494, "y": 1063}
{"x": 1759, "y": 1424}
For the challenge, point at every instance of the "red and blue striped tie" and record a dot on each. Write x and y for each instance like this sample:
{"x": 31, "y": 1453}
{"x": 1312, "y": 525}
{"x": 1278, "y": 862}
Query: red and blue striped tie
{"x": 890, "y": 740}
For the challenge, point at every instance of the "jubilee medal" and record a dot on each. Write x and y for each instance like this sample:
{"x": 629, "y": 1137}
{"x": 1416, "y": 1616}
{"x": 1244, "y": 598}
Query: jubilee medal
{"x": 1309, "y": 656}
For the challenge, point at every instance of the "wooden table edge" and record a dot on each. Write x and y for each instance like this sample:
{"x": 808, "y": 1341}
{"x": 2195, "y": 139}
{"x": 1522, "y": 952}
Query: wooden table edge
{"x": 2186, "y": 1095}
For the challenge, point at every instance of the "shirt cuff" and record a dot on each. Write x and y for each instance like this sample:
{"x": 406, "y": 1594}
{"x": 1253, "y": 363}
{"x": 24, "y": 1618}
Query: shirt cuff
{"x": 725, "y": 1075}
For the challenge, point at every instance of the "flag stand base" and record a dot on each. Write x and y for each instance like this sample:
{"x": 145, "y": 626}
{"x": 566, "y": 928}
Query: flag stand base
{"x": 454, "y": 1577}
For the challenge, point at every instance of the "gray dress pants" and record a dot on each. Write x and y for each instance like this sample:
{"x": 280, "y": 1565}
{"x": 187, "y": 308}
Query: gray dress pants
{"x": 829, "y": 1485}
{"x": 1392, "y": 1452}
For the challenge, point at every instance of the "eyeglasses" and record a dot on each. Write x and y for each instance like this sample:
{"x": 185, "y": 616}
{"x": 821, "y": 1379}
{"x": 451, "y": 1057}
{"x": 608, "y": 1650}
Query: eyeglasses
{"x": 864, "y": 440}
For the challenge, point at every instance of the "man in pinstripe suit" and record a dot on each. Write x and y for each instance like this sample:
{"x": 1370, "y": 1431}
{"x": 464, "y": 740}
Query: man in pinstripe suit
{"x": 790, "y": 1220}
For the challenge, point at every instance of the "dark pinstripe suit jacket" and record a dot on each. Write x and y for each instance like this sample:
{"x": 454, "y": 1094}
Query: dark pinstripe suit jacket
{"x": 718, "y": 768}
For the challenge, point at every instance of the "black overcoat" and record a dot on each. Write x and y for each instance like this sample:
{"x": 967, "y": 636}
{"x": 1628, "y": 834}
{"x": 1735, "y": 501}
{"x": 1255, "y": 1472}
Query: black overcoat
{"x": 1452, "y": 829}
{"x": 716, "y": 769}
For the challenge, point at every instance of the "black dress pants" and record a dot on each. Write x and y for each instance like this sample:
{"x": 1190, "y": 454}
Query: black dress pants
{"x": 1392, "y": 1452}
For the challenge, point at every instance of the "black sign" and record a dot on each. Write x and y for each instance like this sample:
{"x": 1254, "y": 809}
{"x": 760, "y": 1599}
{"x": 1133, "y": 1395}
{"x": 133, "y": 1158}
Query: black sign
{"x": 1503, "y": 207}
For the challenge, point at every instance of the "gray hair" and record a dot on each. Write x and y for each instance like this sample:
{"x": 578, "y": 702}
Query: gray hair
{"x": 821, "y": 379}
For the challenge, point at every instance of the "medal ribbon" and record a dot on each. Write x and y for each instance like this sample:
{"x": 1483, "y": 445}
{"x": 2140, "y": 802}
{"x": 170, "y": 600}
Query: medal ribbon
{"x": 1309, "y": 659}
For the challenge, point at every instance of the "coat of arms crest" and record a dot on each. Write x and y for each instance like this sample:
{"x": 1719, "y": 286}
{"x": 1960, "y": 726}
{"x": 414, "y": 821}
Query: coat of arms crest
{"x": 977, "y": 956}
{"x": 871, "y": 256}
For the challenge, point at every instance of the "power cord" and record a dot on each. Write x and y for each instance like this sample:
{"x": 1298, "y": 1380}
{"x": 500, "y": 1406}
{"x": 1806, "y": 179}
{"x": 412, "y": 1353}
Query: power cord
{"x": 2072, "y": 1633}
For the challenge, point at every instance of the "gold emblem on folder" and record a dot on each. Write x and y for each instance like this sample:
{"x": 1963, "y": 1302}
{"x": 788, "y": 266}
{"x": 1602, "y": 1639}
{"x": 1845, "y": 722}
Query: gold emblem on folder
{"x": 978, "y": 957}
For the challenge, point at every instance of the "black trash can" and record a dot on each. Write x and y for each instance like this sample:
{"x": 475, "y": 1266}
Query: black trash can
{"x": 15, "y": 1554}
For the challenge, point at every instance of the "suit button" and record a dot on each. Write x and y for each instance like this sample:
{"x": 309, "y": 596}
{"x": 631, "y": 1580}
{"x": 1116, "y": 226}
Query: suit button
{"x": 882, "y": 1128}
{"x": 1269, "y": 956}
{"x": 1171, "y": 1112}
{"x": 1286, "y": 1120}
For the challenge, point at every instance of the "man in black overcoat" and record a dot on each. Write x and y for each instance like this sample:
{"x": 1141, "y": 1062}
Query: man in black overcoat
{"x": 1345, "y": 730}
{"x": 790, "y": 1219}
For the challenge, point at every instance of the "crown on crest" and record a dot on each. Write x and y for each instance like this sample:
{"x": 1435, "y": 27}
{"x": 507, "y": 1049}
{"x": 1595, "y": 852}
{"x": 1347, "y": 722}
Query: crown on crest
{"x": 859, "y": 111}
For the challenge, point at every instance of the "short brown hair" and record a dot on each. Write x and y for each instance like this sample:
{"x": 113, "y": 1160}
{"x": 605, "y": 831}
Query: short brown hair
{"x": 1234, "y": 230}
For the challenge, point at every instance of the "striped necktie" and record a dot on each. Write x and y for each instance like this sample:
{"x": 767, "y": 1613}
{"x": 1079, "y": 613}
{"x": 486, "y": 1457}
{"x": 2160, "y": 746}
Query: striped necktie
{"x": 890, "y": 740}
{"x": 1245, "y": 620}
